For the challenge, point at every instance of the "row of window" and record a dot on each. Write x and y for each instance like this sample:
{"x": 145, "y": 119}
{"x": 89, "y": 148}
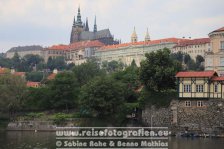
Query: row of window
{"x": 199, "y": 88}
{"x": 199, "y": 103}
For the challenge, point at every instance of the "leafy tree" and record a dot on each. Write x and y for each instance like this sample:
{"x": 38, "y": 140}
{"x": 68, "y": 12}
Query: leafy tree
{"x": 12, "y": 91}
{"x": 86, "y": 71}
{"x": 34, "y": 76}
{"x": 158, "y": 71}
{"x": 103, "y": 97}
{"x": 65, "y": 91}
{"x": 178, "y": 56}
{"x": 187, "y": 58}
{"x": 112, "y": 66}
{"x": 57, "y": 63}
{"x": 16, "y": 62}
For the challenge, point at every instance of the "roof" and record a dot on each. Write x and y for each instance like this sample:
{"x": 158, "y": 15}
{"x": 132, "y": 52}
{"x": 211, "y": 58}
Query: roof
{"x": 77, "y": 45}
{"x": 4, "y": 70}
{"x": 26, "y": 48}
{"x": 32, "y": 84}
{"x": 152, "y": 42}
{"x": 87, "y": 35}
{"x": 218, "y": 78}
{"x": 51, "y": 76}
{"x": 19, "y": 73}
{"x": 59, "y": 47}
{"x": 218, "y": 30}
{"x": 193, "y": 42}
{"x": 189, "y": 74}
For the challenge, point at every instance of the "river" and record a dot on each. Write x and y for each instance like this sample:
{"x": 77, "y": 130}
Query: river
{"x": 46, "y": 140}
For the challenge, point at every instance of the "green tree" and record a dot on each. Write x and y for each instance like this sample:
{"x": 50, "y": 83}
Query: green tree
{"x": 112, "y": 66}
{"x": 12, "y": 91}
{"x": 65, "y": 91}
{"x": 57, "y": 63}
{"x": 34, "y": 76}
{"x": 86, "y": 71}
{"x": 158, "y": 71}
{"x": 103, "y": 97}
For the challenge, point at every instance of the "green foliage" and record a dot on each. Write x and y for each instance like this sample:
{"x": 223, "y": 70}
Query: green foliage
{"x": 35, "y": 114}
{"x": 158, "y": 71}
{"x": 34, "y": 76}
{"x": 57, "y": 63}
{"x": 112, "y": 66}
{"x": 159, "y": 99}
{"x": 60, "y": 118}
{"x": 103, "y": 97}
{"x": 37, "y": 99}
{"x": 65, "y": 91}
{"x": 12, "y": 91}
{"x": 87, "y": 71}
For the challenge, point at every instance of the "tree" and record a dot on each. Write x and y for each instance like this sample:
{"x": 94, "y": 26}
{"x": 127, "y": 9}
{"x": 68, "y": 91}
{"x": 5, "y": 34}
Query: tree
{"x": 178, "y": 56}
{"x": 158, "y": 71}
{"x": 86, "y": 71}
{"x": 103, "y": 96}
{"x": 34, "y": 76}
{"x": 200, "y": 63}
{"x": 12, "y": 91}
{"x": 187, "y": 58}
{"x": 65, "y": 91}
{"x": 57, "y": 63}
{"x": 16, "y": 62}
{"x": 112, "y": 66}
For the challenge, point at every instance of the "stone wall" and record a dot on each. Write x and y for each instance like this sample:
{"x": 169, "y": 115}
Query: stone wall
{"x": 206, "y": 119}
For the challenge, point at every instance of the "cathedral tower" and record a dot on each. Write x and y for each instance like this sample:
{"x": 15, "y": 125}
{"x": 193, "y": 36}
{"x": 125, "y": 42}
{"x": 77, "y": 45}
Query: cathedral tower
{"x": 95, "y": 27}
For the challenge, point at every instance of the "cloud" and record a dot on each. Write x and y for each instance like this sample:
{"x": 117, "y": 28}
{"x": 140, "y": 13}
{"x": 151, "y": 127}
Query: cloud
{"x": 50, "y": 21}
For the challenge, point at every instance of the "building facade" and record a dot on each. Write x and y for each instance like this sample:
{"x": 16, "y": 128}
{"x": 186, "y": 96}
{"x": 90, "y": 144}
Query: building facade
{"x": 214, "y": 60}
{"x": 127, "y": 52}
{"x": 55, "y": 51}
{"x": 200, "y": 85}
{"x": 193, "y": 47}
{"x": 80, "y": 32}
{"x": 25, "y": 50}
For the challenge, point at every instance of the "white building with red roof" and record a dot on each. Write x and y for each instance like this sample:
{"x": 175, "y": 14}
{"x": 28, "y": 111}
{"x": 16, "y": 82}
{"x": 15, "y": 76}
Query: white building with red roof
{"x": 127, "y": 52}
{"x": 193, "y": 47}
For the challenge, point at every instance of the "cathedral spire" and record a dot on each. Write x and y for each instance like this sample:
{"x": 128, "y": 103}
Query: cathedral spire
{"x": 79, "y": 20}
{"x": 95, "y": 26}
{"x": 87, "y": 25}
{"x": 134, "y": 37}
{"x": 74, "y": 21}
{"x": 147, "y": 37}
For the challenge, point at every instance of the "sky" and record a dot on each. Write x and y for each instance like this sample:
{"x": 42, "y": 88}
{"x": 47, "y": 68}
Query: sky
{"x": 49, "y": 22}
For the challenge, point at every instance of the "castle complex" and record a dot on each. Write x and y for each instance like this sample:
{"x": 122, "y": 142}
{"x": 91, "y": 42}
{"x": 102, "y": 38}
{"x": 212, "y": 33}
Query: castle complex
{"x": 81, "y": 32}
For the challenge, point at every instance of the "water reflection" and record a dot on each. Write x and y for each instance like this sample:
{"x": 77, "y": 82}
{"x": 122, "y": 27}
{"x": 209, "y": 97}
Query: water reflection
{"x": 32, "y": 140}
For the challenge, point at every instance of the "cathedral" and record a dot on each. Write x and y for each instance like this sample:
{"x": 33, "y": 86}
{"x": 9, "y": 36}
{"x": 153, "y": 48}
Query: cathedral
{"x": 81, "y": 32}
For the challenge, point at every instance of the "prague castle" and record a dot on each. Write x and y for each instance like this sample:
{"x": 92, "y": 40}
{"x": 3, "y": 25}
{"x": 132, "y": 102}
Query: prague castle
{"x": 81, "y": 32}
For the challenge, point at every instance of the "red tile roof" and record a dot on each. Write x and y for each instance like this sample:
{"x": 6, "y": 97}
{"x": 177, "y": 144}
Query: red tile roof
{"x": 193, "y": 42}
{"x": 197, "y": 74}
{"x": 218, "y": 78}
{"x": 77, "y": 45}
{"x": 4, "y": 70}
{"x": 152, "y": 42}
{"x": 19, "y": 74}
{"x": 32, "y": 84}
{"x": 218, "y": 30}
{"x": 51, "y": 76}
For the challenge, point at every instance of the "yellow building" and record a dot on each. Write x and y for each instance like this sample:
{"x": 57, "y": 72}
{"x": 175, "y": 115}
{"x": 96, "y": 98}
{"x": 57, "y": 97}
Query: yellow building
{"x": 214, "y": 60}
{"x": 200, "y": 85}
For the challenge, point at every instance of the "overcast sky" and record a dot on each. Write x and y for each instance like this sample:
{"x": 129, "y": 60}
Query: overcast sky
{"x": 48, "y": 22}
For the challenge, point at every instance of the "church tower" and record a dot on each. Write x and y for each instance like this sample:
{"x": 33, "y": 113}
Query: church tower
{"x": 147, "y": 37}
{"x": 95, "y": 26}
{"x": 134, "y": 37}
{"x": 77, "y": 28}
{"x": 87, "y": 25}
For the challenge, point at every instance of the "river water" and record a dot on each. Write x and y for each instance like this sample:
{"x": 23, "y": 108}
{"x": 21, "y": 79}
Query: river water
{"x": 47, "y": 140}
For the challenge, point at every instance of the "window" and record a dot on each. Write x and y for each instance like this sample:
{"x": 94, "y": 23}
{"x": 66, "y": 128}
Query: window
{"x": 200, "y": 103}
{"x": 216, "y": 88}
{"x": 187, "y": 88}
{"x": 199, "y": 88}
{"x": 221, "y": 61}
{"x": 222, "y": 44}
{"x": 187, "y": 103}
